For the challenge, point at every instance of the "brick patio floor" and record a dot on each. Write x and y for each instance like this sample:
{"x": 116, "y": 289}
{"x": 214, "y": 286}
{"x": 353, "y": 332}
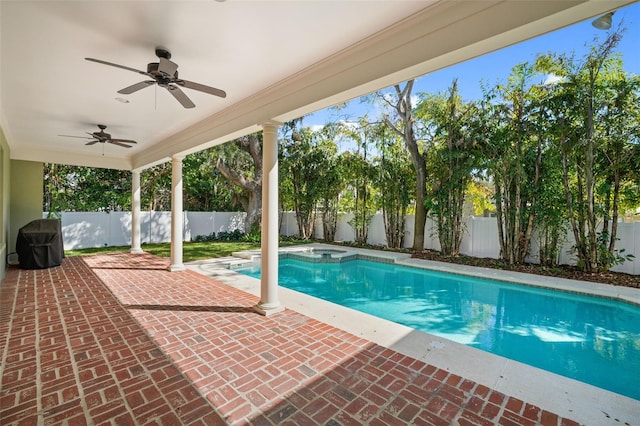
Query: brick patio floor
{"x": 117, "y": 339}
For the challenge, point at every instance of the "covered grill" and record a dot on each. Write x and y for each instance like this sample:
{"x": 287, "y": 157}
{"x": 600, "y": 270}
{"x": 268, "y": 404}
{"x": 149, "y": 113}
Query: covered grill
{"x": 39, "y": 244}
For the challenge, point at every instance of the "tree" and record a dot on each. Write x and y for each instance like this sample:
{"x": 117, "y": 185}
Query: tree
{"x": 205, "y": 189}
{"x": 513, "y": 147}
{"x": 359, "y": 175}
{"x": 550, "y": 211}
{"x": 394, "y": 179}
{"x": 402, "y": 122}
{"x": 303, "y": 161}
{"x": 480, "y": 195}
{"x": 595, "y": 132}
{"x": 155, "y": 183}
{"x": 240, "y": 162}
{"x": 620, "y": 129}
{"x": 55, "y": 180}
{"x": 452, "y": 160}
{"x": 73, "y": 188}
{"x": 331, "y": 182}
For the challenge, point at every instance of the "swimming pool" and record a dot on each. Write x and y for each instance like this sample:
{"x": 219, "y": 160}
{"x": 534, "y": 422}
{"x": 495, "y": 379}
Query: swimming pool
{"x": 594, "y": 340}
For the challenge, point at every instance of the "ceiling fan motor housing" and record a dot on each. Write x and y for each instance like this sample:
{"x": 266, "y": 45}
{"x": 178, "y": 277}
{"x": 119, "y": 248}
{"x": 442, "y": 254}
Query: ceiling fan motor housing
{"x": 102, "y": 136}
{"x": 163, "y": 53}
{"x": 153, "y": 69}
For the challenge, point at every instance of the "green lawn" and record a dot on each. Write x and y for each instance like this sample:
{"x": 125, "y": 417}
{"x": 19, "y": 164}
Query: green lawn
{"x": 191, "y": 250}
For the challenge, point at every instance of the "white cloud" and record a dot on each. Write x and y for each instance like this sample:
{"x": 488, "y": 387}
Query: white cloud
{"x": 553, "y": 79}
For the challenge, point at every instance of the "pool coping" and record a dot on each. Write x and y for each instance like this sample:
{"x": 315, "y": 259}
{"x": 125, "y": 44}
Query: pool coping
{"x": 569, "y": 398}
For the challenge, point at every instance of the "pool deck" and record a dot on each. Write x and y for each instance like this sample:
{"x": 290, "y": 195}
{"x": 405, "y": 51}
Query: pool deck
{"x": 566, "y": 397}
{"x": 117, "y": 339}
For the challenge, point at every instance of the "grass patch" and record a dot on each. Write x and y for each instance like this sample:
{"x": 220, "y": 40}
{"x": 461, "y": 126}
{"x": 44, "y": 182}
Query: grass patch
{"x": 190, "y": 250}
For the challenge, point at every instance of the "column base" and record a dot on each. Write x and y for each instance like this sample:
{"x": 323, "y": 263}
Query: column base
{"x": 268, "y": 309}
{"x": 136, "y": 251}
{"x": 176, "y": 268}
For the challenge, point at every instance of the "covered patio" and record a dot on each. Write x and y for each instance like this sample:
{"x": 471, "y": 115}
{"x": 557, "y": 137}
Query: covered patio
{"x": 118, "y": 339}
{"x": 135, "y": 339}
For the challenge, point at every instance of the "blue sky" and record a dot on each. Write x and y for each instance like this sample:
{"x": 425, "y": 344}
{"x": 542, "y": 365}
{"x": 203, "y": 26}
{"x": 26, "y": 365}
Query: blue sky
{"x": 497, "y": 66}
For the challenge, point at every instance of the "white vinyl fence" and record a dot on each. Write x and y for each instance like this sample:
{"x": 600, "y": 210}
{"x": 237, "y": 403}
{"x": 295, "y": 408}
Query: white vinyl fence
{"x": 88, "y": 229}
{"x": 83, "y": 230}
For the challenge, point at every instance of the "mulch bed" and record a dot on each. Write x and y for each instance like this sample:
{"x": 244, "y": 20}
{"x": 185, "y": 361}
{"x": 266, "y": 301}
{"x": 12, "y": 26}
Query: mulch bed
{"x": 561, "y": 271}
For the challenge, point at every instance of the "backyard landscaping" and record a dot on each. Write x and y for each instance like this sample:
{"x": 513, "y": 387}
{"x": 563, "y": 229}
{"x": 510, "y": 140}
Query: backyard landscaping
{"x": 207, "y": 250}
{"x": 561, "y": 271}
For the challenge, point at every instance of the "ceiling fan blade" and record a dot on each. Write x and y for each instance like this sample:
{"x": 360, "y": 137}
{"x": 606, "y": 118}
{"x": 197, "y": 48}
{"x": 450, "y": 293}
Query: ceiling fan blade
{"x": 72, "y": 136}
{"x": 167, "y": 67}
{"x": 116, "y": 65}
{"x": 201, "y": 88}
{"x": 123, "y": 140}
{"x": 135, "y": 87}
{"x": 180, "y": 96}
{"x": 92, "y": 142}
{"x": 115, "y": 142}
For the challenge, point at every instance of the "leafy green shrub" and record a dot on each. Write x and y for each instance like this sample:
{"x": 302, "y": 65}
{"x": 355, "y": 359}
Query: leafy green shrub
{"x": 205, "y": 238}
{"x": 235, "y": 235}
{"x": 254, "y": 236}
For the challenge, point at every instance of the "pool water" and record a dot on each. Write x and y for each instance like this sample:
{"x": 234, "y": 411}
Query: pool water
{"x": 590, "y": 339}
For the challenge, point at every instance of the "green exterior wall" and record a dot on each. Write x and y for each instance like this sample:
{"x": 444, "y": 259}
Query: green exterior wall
{"x": 25, "y": 196}
{"x": 4, "y": 203}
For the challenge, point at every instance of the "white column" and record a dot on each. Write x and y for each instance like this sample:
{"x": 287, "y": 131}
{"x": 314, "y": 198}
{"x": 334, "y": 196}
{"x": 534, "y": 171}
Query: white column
{"x": 269, "y": 303}
{"x": 176, "y": 214}
{"x": 135, "y": 212}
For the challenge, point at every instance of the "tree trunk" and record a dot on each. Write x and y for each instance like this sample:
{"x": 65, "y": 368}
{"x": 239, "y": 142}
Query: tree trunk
{"x": 329, "y": 220}
{"x": 500, "y": 217}
{"x": 252, "y": 186}
{"x": 614, "y": 215}
{"x": 404, "y": 109}
{"x": 254, "y": 211}
{"x": 524, "y": 249}
{"x": 592, "y": 260}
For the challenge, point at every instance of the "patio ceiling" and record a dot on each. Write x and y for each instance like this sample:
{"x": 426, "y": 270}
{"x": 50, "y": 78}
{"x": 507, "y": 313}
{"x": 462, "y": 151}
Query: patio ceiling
{"x": 275, "y": 59}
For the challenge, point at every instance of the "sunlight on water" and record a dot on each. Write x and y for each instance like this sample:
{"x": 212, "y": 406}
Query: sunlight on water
{"x": 593, "y": 340}
{"x": 551, "y": 335}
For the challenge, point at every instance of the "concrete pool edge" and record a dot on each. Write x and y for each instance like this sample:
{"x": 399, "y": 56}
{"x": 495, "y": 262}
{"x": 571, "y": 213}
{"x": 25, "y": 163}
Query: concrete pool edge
{"x": 587, "y": 288}
{"x": 569, "y": 398}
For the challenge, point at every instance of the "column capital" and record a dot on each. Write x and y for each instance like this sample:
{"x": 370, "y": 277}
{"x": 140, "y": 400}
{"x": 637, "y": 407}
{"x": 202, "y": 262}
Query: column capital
{"x": 270, "y": 125}
{"x": 177, "y": 157}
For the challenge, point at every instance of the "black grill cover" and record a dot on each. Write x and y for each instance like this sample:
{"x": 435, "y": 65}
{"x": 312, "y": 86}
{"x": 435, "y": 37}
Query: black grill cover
{"x": 39, "y": 244}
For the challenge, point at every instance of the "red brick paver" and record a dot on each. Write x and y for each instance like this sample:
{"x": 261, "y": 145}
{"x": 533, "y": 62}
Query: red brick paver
{"x": 117, "y": 339}
{"x": 72, "y": 354}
